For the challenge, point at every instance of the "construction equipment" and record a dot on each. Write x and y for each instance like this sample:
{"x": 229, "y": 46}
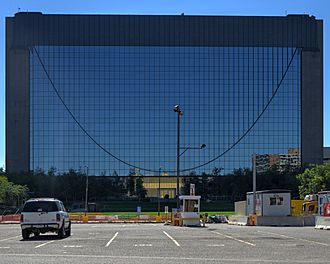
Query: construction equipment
{"x": 310, "y": 205}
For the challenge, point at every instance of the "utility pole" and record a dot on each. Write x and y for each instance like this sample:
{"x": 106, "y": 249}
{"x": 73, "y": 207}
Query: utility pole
{"x": 159, "y": 191}
{"x": 86, "y": 193}
{"x": 254, "y": 183}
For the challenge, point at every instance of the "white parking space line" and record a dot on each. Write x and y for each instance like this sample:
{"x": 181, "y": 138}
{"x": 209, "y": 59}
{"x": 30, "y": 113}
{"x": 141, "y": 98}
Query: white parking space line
{"x": 142, "y": 245}
{"x": 4, "y": 247}
{"x": 296, "y": 238}
{"x": 234, "y": 238}
{"x": 8, "y": 238}
{"x": 216, "y": 245}
{"x": 44, "y": 244}
{"x": 69, "y": 246}
{"x": 112, "y": 239}
{"x": 174, "y": 241}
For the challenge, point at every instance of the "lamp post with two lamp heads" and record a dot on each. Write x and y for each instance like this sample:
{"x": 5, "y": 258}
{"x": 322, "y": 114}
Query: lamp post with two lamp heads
{"x": 177, "y": 109}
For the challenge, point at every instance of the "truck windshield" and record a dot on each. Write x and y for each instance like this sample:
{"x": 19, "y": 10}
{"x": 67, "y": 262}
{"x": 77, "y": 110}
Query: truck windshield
{"x": 40, "y": 206}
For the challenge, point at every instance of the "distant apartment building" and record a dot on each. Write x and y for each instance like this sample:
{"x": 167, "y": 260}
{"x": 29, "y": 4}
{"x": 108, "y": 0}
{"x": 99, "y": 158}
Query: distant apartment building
{"x": 279, "y": 161}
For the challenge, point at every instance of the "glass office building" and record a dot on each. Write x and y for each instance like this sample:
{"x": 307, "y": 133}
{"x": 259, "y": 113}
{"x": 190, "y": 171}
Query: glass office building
{"x": 98, "y": 92}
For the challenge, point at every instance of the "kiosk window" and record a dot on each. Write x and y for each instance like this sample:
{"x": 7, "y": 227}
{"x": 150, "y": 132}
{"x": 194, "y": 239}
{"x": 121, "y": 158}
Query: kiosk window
{"x": 276, "y": 200}
{"x": 191, "y": 206}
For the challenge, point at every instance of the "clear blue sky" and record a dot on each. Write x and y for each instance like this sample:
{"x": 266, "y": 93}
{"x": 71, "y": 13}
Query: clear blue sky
{"x": 318, "y": 8}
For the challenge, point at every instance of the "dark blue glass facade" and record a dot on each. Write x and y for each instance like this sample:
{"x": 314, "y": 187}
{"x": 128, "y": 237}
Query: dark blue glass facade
{"x": 236, "y": 100}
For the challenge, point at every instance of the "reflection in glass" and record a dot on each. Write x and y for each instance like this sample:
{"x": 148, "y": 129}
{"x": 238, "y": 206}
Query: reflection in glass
{"x": 123, "y": 97}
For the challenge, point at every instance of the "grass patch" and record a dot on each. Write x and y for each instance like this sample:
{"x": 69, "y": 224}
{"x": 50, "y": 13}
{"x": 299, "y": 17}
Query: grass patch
{"x": 134, "y": 214}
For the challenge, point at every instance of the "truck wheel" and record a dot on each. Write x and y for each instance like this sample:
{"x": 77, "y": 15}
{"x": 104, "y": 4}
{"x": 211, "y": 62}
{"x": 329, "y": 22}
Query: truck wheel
{"x": 61, "y": 231}
{"x": 68, "y": 231}
{"x": 36, "y": 234}
{"x": 25, "y": 234}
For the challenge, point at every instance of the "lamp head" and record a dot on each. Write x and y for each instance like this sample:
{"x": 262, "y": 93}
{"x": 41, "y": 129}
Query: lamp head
{"x": 176, "y": 108}
{"x": 203, "y": 146}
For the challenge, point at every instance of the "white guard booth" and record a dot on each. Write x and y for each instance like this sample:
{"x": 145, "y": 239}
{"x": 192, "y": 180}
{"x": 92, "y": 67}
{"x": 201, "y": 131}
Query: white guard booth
{"x": 190, "y": 208}
{"x": 270, "y": 203}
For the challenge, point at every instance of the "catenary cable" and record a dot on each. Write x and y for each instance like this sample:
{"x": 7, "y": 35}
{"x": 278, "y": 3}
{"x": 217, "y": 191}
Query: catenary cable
{"x": 152, "y": 170}
{"x": 79, "y": 124}
{"x": 253, "y": 124}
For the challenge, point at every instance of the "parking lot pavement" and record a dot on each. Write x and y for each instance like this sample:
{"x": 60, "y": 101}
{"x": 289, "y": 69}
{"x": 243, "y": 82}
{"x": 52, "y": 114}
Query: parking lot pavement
{"x": 156, "y": 243}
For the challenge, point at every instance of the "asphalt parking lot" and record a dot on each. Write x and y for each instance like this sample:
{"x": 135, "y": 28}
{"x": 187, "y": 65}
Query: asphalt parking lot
{"x": 156, "y": 243}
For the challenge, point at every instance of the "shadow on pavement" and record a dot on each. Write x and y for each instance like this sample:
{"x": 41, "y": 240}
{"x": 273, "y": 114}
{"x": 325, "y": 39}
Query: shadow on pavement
{"x": 43, "y": 238}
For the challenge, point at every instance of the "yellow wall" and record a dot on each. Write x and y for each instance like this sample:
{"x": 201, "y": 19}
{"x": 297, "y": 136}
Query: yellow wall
{"x": 167, "y": 186}
{"x": 296, "y": 207}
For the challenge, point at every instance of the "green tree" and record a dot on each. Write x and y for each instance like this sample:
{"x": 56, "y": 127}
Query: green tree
{"x": 131, "y": 185}
{"x": 202, "y": 184}
{"x": 10, "y": 193}
{"x": 314, "y": 180}
{"x": 132, "y": 181}
{"x": 140, "y": 191}
{"x": 216, "y": 182}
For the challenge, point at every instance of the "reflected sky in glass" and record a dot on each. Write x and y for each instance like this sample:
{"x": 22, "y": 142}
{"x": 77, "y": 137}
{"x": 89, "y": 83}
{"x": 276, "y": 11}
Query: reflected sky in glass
{"x": 123, "y": 97}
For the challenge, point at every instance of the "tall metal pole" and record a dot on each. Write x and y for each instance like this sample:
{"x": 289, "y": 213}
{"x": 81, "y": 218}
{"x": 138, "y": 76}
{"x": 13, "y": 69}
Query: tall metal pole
{"x": 254, "y": 183}
{"x": 86, "y": 194}
{"x": 178, "y": 164}
{"x": 159, "y": 192}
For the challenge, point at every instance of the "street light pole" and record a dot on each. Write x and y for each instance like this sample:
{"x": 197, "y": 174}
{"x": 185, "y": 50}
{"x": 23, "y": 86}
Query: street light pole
{"x": 178, "y": 155}
{"x": 178, "y": 165}
{"x": 86, "y": 193}
{"x": 180, "y": 113}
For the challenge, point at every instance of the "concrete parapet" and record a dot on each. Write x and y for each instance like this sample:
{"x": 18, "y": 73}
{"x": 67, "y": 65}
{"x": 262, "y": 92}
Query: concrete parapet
{"x": 285, "y": 220}
{"x": 309, "y": 220}
{"x": 238, "y": 220}
{"x": 322, "y": 222}
{"x": 275, "y": 220}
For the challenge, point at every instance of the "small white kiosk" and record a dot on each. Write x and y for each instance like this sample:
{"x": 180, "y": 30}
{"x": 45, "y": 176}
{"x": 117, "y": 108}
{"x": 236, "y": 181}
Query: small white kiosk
{"x": 270, "y": 203}
{"x": 190, "y": 208}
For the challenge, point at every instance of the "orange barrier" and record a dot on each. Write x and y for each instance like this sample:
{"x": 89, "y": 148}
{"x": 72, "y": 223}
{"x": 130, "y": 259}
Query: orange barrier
{"x": 10, "y": 218}
{"x": 95, "y": 218}
{"x": 100, "y": 218}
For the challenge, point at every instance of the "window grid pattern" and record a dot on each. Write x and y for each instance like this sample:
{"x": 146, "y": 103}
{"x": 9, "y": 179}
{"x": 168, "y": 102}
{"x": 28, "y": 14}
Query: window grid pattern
{"x": 124, "y": 95}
